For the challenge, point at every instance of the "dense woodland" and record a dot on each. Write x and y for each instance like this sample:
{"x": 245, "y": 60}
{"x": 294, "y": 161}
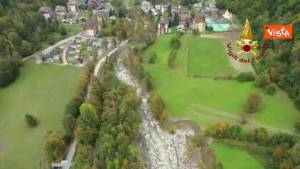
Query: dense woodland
{"x": 22, "y": 32}
{"x": 281, "y": 63}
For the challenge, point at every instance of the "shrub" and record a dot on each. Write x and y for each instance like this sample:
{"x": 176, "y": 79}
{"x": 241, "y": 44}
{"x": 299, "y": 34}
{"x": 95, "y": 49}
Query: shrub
{"x": 152, "y": 58}
{"x": 262, "y": 80}
{"x": 271, "y": 89}
{"x": 254, "y": 103}
{"x": 31, "y": 120}
{"x": 175, "y": 42}
{"x": 297, "y": 126}
{"x": 245, "y": 77}
{"x": 196, "y": 32}
{"x": 172, "y": 58}
{"x": 282, "y": 139}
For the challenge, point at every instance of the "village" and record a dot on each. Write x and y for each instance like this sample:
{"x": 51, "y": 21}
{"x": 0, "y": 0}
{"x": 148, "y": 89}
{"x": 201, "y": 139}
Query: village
{"x": 92, "y": 14}
{"x": 201, "y": 17}
{"x": 78, "y": 49}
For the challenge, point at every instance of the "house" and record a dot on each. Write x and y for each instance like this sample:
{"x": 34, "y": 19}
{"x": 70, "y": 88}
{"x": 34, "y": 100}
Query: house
{"x": 179, "y": 9}
{"x": 228, "y": 15}
{"x": 217, "y": 24}
{"x": 154, "y": 11}
{"x": 163, "y": 26}
{"x": 92, "y": 4}
{"x": 146, "y": 6}
{"x": 91, "y": 28}
{"x": 209, "y": 10}
{"x": 198, "y": 23}
{"x": 184, "y": 21}
{"x": 60, "y": 12}
{"x": 46, "y": 12}
{"x": 72, "y": 7}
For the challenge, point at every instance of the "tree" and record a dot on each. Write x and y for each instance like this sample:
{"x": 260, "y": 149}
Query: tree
{"x": 262, "y": 80}
{"x": 254, "y": 103}
{"x": 63, "y": 31}
{"x": 261, "y": 136}
{"x": 72, "y": 108}
{"x": 86, "y": 131}
{"x": 55, "y": 147}
{"x": 157, "y": 106}
{"x": 31, "y": 120}
{"x": 104, "y": 43}
{"x": 271, "y": 89}
{"x": 297, "y": 102}
{"x": 69, "y": 123}
{"x": 9, "y": 71}
{"x": 279, "y": 152}
{"x": 297, "y": 125}
{"x": 176, "y": 20}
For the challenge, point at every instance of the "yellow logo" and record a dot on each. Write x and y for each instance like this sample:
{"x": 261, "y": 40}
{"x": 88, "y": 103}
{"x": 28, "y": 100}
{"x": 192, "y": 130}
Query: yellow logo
{"x": 246, "y": 44}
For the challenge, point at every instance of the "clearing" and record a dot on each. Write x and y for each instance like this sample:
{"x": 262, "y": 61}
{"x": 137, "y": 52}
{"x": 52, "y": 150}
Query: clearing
{"x": 43, "y": 91}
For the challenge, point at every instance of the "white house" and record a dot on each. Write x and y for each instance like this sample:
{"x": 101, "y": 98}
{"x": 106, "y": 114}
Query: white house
{"x": 146, "y": 6}
{"x": 228, "y": 15}
{"x": 163, "y": 26}
{"x": 72, "y": 7}
{"x": 60, "y": 12}
{"x": 46, "y": 12}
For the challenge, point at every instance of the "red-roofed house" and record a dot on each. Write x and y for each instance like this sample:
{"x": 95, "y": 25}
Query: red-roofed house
{"x": 91, "y": 28}
{"x": 199, "y": 23}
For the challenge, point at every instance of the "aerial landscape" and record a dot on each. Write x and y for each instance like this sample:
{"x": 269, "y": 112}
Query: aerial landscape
{"x": 149, "y": 84}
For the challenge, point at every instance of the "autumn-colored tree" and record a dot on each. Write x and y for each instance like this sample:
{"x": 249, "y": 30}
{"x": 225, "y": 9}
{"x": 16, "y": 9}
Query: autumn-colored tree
{"x": 221, "y": 126}
{"x": 279, "y": 152}
{"x": 157, "y": 106}
{"x": 55, "y": 147}
{"x": 254, "y": 103}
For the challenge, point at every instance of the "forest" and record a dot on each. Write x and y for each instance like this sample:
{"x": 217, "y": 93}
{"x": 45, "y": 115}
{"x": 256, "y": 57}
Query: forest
{"x": 22, "y": 32}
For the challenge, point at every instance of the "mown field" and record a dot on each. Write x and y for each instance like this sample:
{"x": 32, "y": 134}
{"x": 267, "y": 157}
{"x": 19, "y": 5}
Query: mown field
{"x": 201, "y": 64}
{"x": 43, "y": 91}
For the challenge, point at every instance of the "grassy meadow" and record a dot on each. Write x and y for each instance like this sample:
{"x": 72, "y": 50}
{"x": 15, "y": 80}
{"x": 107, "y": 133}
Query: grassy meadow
{"x": 234, "y": 158}
{"x": 206, "y": 57}
{"x": 207, "y": 101}
{"x": 43, "y": 91}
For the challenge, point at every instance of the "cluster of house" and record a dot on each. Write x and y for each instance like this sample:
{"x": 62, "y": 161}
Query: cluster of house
{"x": 207, "y": 16}
{"x": 69, "y": 53}
{"x": 72, "y": 13}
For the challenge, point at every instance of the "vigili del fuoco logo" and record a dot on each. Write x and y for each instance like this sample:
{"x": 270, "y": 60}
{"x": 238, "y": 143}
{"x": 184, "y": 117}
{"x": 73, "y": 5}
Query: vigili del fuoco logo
{"x": 246, "y": 47}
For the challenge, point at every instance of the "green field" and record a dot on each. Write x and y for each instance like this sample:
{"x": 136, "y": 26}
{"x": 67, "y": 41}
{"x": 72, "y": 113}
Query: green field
{"x": 201, "y": 64}
{"x": 41, "y": 90}
{"x": 207, "y": 101}
{"x": 234, "y": 158}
